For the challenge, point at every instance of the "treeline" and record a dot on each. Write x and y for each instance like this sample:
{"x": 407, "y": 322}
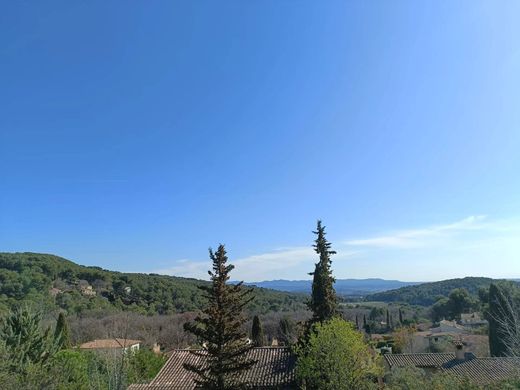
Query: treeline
{"x": 167, "y": 330}
{"x": 427, "y": 294}
{"x": 53, "y": 282}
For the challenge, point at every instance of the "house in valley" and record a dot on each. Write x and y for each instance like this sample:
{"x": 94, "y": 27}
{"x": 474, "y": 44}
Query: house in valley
{"x": 112, "y": 345}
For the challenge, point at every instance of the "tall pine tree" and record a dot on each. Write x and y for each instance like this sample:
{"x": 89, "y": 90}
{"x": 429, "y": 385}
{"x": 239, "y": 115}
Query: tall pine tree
{"x": 257, "y": 332}
{"x": 323, "y": 303}
{"x": 219, "y": 329}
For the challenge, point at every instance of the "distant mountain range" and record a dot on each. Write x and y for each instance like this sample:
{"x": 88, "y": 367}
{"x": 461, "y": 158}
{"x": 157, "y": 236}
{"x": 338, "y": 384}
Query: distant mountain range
{"x": 344, "y": 287}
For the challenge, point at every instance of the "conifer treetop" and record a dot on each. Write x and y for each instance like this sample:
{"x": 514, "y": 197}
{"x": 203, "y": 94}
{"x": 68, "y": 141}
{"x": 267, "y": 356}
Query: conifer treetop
{"x": 219, "y": 329}
{"x": 323, "y": 301}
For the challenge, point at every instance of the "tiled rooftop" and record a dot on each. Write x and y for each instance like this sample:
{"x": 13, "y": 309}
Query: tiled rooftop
{"x": 484, "y": 371}
{"x": 274, "y": 369}
{"x": 481, "y": 371}
{"x": 109, "y": 343}
{"x": 418, "y": 359}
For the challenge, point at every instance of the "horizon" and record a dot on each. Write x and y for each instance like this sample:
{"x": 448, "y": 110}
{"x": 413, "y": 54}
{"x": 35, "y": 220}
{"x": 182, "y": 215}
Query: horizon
{"x": 133, "y": 138}
{"x": 282, "y": 280}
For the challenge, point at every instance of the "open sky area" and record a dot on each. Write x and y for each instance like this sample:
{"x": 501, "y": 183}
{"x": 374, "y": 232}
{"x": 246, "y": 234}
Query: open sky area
{"x": 135, "y": 135}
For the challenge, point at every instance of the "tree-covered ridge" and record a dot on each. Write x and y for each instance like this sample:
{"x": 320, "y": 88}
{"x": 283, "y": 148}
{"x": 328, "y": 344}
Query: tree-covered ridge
{"x": 54, "y": 282}
{"x": 427, "y": 294}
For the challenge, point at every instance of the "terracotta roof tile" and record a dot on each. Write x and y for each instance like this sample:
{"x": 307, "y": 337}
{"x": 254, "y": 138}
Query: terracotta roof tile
{"x": 109, "y": 343}
{"x": 480, "y": 371}
{"x": 418, "y": 359}
{"x": 485, "y": 371}
{"x": 274, "y": 369}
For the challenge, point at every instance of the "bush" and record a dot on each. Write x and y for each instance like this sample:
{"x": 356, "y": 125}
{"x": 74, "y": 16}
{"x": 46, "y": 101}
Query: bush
{"x": 336, "y": 358}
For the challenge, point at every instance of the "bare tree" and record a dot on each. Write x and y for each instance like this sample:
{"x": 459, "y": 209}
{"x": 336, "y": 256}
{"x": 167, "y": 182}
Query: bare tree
{"x": 505, "y": 320}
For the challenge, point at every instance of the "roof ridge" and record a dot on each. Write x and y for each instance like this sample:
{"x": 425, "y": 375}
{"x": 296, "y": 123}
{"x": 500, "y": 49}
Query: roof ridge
{"x": 420, "y": 353}
{"x": 497, "y": 357}
{"x": 202, "y": 349}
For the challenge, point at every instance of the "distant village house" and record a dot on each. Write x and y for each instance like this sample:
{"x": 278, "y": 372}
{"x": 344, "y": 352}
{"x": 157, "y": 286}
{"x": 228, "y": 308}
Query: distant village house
{"x": 112, "y": 345}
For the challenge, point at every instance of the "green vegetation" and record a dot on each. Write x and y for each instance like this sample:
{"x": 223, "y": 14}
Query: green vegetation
{"x": 144, "y": 365}
{"x": 220, "y": 329}
{"x": 336, "y": 357}
{"x": 62, "y": 332}
{"x": 427, "y": 294}
{"x": 25, "y": 341}
{"x": 52, "y": 283}
{"x": 287, "y": 331}
{"x": 257, "y": 332}
{"x": 33, "y": 357}
{"x": 323, "y": 303}
{"x": 459, "y": 301}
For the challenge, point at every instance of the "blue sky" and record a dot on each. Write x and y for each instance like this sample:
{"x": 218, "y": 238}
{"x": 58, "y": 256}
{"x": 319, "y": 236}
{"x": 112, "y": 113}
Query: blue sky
{"x": 133, "y": 136}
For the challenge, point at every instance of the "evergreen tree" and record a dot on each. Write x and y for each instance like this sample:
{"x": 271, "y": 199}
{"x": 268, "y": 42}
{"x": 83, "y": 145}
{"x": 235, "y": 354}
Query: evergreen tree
{"x": 219, "y": 329}
{"x": 387, "y": 319}
{"x": 400, "y": 316}
{"x": 366, "y": 327}
{"x": 62, "y": 333}
{"x": 257, "y": 332}
{"x": 26, "y": 342}
{"x": 323, "y": 303}
{"x": 286, "y": 331}
{"x": 357, "y": 322}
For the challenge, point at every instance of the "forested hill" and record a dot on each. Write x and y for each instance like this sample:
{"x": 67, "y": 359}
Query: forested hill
{"x": 427, "y": 293}
{"x": 52, "y": 281}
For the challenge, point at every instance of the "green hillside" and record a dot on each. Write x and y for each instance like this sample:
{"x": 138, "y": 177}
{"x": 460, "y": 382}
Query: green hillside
{"x": 51, "y": 281}
{"x": 426, "y": 294}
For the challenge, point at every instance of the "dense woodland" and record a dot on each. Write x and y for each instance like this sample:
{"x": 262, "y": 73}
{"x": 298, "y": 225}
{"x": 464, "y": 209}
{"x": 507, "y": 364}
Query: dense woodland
{"x": 56, "y": 283}
{"x": 427, "y": 294}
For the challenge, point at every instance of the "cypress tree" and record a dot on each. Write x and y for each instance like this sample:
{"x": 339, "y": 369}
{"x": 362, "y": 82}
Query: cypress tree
{"x": 257, "y": 332}
{"x": 387, "y": 319}
{"x": 219, "y": 329}
{"x": 357, "y": 322}
{"x": 400, "y": 316}
{"x": 62, "y": 333}
{"x": 323, "y": 303}
{"x": 286, "y": 331}
{"x": 366, "y": 327}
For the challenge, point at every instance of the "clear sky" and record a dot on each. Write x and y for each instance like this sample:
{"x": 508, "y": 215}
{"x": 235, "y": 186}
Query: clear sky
{"x": 134, "y": 135}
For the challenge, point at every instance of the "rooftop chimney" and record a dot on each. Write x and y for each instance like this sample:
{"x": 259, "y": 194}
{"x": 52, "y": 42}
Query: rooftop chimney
{"x": 459, "y": 350}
